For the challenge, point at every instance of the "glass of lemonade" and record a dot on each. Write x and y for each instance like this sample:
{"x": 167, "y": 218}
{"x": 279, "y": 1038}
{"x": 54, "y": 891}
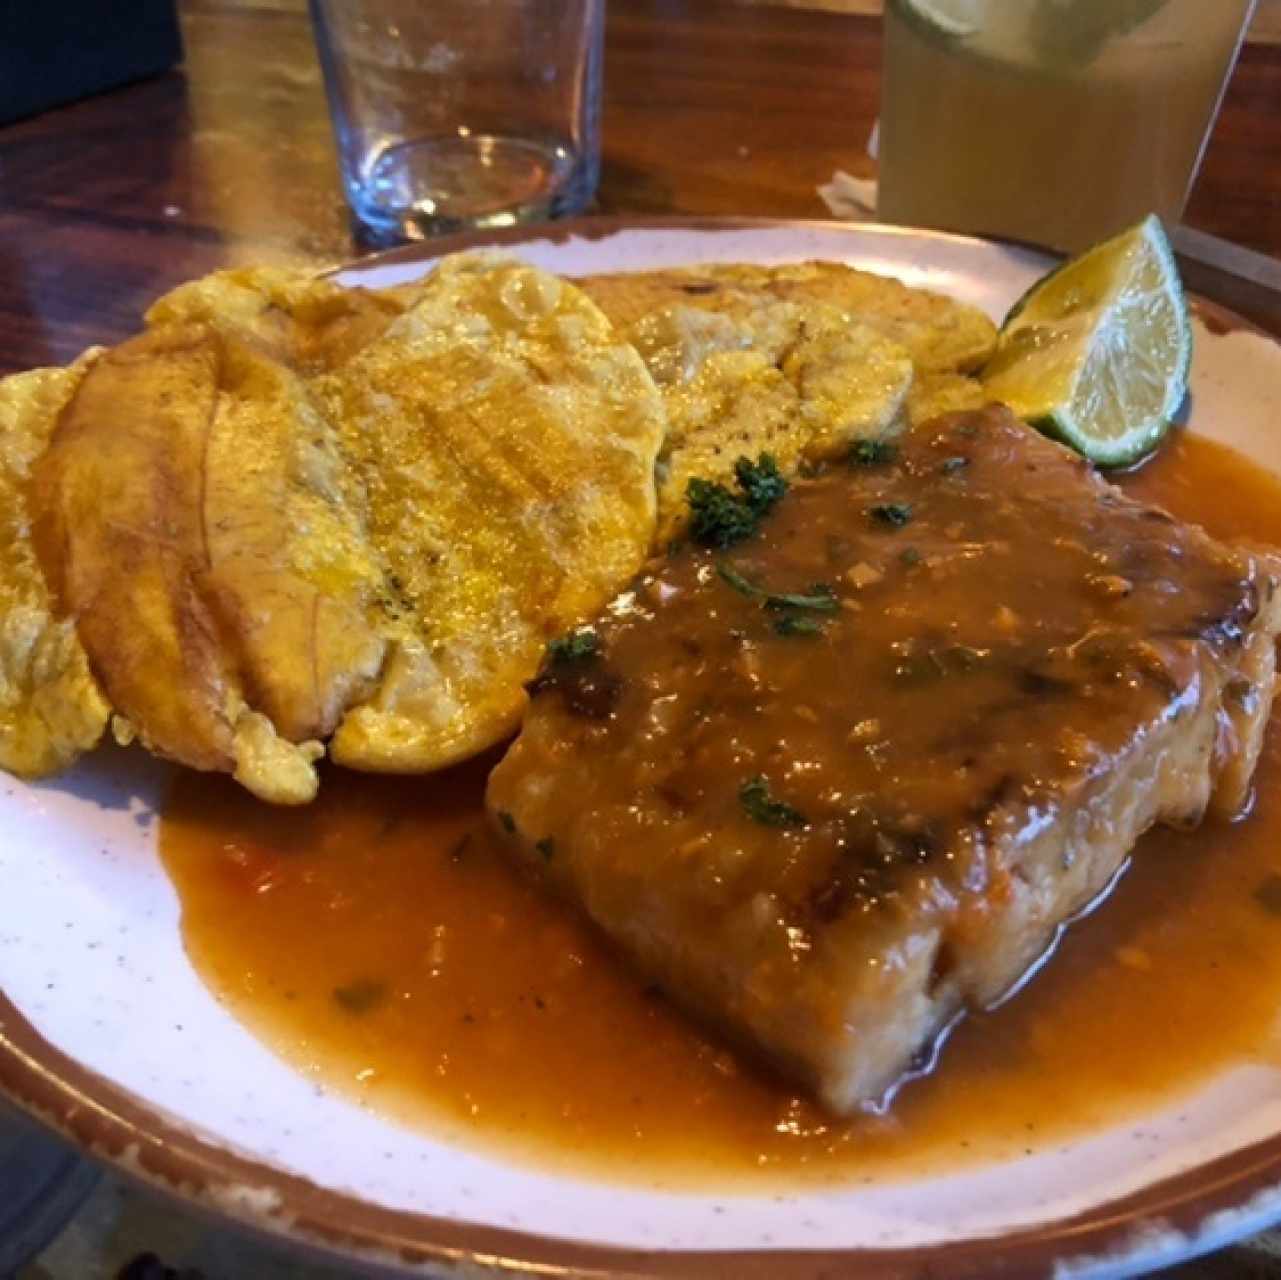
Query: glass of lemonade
{"x": 1053, "y": 121}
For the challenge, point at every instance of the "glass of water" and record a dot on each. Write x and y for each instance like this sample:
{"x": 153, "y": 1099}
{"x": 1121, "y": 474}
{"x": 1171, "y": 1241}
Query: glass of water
{"x": 453, "y": 114}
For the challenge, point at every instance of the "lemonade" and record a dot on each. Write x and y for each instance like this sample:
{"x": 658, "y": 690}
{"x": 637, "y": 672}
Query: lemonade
{"x": 1053, "y": 121}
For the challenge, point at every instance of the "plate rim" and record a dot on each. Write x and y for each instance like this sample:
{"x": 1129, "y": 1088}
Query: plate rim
{"x": 1191, "y": 1207}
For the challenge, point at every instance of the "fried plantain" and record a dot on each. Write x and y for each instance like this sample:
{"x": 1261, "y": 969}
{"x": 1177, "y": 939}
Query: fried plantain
{"x": 934, "y": 394}
{"x": 51, "y": 707}
{"x": 507, "y": 438}
{"x": 192, "y": 514}
{"x": 310, "y": 324}
{"x": 797, "y": 381}
{"x": 940, "y": 334}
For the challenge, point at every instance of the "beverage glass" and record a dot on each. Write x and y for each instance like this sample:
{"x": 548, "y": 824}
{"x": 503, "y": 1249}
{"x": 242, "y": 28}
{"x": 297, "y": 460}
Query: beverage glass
{"x": 451, "y": 114}
{"x": 1054, "y": 121}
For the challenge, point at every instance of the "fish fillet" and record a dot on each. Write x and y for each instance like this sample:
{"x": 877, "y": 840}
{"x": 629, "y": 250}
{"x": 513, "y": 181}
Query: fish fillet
{"x": 842, "y": 783}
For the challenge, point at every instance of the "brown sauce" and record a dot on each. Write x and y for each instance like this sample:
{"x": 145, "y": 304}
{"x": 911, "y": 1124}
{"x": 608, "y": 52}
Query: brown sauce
{"x": 377, "y": 941}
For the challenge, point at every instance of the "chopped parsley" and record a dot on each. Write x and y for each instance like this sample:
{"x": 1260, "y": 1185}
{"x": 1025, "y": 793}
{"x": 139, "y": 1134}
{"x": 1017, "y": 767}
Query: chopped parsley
{"x": 821, "y": 599}
{"x": 761, "y": 482}
{"x": 360, "y": 996}
{"x": 954, "y": 464}
{"x": 577, "y": 646}
{"x": 952, "y": 660}
{"x": 872, "y": 453}
{"x": 759, "y": 805}
{"x": 910, "y": 556}
{"x": 795, "y": 624}
{"x": 895, "y": 514}
{"x": 719, "y": 518}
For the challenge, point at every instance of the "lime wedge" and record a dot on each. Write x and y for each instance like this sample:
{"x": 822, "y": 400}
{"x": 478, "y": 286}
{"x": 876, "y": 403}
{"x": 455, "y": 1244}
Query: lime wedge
{"x": 953, "y": 17}
{"x": 1069, "y": 36}
{"x": 1097, "y": 352}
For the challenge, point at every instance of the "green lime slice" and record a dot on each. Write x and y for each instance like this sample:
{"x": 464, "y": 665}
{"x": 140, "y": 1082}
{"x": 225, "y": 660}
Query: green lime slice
{"x": 1097, "y": 353}
{"x": 952, "y": 17}
{"x": 1069, "y": 36}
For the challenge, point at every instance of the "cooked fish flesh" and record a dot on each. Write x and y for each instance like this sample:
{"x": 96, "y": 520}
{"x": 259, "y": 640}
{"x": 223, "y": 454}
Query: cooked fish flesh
{"x": 506, "y": 436}
{"x": 939, "y": 333}
{"x": 51, "y": 707}
{"x": 843, "y": 782}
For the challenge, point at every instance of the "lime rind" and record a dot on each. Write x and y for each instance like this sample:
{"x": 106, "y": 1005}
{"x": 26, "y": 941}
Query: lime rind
{"x": 1097, "y": 353}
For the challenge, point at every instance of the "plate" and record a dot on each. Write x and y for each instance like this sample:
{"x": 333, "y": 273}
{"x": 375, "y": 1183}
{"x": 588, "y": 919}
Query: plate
{"x": 107, "y": 1033}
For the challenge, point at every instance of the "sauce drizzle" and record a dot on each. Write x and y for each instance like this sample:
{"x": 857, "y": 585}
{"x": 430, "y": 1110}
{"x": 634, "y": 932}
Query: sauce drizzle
{"x": 378, "y": 941}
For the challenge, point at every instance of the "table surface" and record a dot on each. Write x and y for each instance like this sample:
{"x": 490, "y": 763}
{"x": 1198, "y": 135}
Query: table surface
{"x": 711, "y": 107}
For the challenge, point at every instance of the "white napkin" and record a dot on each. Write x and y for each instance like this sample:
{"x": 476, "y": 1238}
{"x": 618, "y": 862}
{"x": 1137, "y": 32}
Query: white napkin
{"x": 850, "y": 197}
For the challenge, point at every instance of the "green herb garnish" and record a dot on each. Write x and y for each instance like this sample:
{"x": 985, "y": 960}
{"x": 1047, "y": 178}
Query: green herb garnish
{"x": 719, "y": 518}
{"x": 872, "y": 453}
{"x": 822, "y": 599}
{"x": 360, "y": 996}
{"x": 754, "y": 795}
{"x": 761, "y": 482}
{"x": 577, "y": 646}
{"x": 952, "y": 660}
{"x": 910, "y": 556}
{"x": 895, "y": 514}
{"x": 954, "y": 464}
{"x": 795, "y": 624}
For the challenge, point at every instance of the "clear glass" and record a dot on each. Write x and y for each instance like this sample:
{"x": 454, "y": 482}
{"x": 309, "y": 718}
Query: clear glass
{"x": 1058, "y": 122}
{"x": 451, "y": 114}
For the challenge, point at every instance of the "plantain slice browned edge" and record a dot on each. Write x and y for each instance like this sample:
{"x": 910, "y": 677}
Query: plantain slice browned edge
{"x": 192, "y": 514}
{"x": 51, "y": 708}
{"x": 312, "y": 325}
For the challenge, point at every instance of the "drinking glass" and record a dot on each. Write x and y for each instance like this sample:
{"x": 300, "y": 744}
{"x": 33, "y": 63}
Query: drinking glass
{"x": 1054, "y": 121}
{"x": 452, "y": 114}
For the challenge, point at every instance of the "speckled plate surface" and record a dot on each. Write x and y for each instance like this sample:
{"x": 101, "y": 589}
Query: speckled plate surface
{"x": 107, "y": 1033}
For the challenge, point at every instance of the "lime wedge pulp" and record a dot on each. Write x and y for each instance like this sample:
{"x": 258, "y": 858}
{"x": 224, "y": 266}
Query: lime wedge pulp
{"x": 1097, "y": 353}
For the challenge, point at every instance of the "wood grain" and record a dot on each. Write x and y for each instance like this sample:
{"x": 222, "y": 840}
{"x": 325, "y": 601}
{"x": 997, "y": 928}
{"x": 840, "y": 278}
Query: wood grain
{"x": 711, "y": 107}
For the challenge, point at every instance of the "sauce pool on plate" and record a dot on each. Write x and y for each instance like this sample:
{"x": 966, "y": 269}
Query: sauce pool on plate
{"x": 378, "y": 941}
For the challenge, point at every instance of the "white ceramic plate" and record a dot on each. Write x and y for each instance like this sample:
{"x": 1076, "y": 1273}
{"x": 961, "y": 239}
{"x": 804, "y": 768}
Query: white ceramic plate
{"x": 107, "y": 1032}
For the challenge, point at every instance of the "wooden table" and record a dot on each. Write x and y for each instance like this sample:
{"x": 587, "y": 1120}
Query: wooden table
{"x": 711, "y": 107}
